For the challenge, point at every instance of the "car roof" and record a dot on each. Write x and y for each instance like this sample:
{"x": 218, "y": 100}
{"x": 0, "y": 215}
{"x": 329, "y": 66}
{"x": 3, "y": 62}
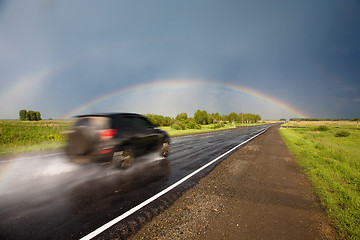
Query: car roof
{"x": 110, "y": 115}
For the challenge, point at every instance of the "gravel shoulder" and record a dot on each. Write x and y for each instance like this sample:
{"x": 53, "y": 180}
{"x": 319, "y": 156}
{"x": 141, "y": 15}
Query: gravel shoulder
{"x": 257, "y": 193}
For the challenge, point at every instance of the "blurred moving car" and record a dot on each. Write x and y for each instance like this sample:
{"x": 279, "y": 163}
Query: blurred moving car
{"x": 116, "y": 138}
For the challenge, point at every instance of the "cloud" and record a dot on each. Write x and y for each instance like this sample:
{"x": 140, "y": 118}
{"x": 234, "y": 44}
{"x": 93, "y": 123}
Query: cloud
{"x": 275, "y": 48}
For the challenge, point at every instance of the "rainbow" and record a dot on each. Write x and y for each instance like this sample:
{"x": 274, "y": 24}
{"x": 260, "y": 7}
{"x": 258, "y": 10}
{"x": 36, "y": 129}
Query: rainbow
{"x": 24, "y": 85}
{"x": 181, "y": 84}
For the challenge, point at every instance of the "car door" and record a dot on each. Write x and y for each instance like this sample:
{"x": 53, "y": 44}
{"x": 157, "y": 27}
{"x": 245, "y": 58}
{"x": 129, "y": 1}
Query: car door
{"x": 148, "y": 139}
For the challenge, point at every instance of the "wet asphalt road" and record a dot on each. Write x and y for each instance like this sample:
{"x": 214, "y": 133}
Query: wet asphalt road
{"x": 46, "y": 197}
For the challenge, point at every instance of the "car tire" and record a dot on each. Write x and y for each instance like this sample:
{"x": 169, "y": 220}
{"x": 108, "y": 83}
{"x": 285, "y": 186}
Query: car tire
{"x": 123, "y": 159}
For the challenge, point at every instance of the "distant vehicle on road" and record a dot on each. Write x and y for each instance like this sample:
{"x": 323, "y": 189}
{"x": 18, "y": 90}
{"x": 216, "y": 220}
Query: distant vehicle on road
{"x": 115, "y": 138}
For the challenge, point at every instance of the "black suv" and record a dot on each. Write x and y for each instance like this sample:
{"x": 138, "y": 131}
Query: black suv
{"x": 115, "y": 138}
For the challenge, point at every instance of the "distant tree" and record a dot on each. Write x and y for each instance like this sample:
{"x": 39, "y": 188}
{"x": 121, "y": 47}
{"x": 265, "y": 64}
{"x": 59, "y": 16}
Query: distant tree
{"x": 233, "y": 117}
{"x": 30, "y": 115}
{"x": 198, "y": 116}
{"x": 249, "y": 118}
{"x": 181, "y": 117}
{"x": 22, "y": 115}
{"x": 154, "y": 119}
{"x": 202, "y": 117}
{"x": 215, "y": 116}
{"x": 159, "y": 120}
{"x": 167, "y": 121}
{"x": 257, "y": 118}
{"x": 241, "y": 118}
{"x": 191, "y": 123}
{"x": 283, "y": 119}
{"x": 37, "y": 116}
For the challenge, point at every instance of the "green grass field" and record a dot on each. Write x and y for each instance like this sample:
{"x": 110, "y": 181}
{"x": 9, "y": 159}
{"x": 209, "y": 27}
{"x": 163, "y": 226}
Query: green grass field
{"x": 329, "y": 153}
{"x": 18, "y": 136}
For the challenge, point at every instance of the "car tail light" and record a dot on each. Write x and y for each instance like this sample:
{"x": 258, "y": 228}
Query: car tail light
{"x": 107, "y": 134}
{"x": 105, "y": 151}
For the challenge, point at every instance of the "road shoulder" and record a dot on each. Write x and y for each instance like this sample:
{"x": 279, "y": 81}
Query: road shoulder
{"x": 256, "y": 193}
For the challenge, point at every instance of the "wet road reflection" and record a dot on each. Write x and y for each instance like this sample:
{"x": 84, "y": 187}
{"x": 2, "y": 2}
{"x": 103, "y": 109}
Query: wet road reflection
{"x": 48, "y": 197}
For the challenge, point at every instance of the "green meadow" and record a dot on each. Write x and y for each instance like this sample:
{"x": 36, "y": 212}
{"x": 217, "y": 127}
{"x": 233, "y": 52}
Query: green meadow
{"x": 329, "y": 154}
{"x": 24, "y": 136}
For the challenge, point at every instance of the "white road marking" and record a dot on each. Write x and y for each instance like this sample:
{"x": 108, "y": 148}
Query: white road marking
{"x": 143, "y": 204}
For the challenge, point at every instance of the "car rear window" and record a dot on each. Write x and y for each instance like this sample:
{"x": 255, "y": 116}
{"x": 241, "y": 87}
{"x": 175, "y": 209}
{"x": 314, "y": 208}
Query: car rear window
{"x": 98, "y": 123}
{"x": 82, "y": 122}
{"x": 132, "y": 122}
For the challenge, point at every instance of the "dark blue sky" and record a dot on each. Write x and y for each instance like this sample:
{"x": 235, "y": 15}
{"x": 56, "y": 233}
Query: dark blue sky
{"x": 59, "y": 55}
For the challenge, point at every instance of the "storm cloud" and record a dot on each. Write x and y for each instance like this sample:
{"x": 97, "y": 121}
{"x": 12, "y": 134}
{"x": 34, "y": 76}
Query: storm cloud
{"x": 58, "y": 55}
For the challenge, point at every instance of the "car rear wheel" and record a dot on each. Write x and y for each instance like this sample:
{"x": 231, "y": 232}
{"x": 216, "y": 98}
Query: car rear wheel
{"x": 123, "y": 158}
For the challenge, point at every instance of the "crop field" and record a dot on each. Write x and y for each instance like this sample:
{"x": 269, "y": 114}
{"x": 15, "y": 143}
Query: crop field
{"x": 23, "y": 136}
{"x": 329, "y": 153}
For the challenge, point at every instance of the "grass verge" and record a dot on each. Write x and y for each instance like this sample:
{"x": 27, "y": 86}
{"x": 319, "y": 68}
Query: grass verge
{"x": 18, "y": 136}
{"x": 329, "y": 153}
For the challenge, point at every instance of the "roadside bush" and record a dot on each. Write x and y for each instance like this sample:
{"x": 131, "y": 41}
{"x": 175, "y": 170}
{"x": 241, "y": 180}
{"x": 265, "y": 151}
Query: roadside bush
{"x": 179, "y": 125}
{"x": 342, "y": 133}
{"x": 322, "y": 128}
{"x": 220, "y": 125}
{"x": 191, "y": 123}
{"x": 176, "y": 127}
{"x": 167, "y": 121}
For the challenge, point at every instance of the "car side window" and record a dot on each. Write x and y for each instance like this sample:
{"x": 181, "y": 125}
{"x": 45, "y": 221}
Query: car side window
{"x": 132, "y": 122}
{"x": 123, "y": 123}
{"x": 142, "y": 123}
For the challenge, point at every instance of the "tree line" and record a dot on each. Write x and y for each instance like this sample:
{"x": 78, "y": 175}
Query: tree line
{"x": 324, "y": 119}
{"x": 29, "y": 115}
{"x": 201, "y": 117}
